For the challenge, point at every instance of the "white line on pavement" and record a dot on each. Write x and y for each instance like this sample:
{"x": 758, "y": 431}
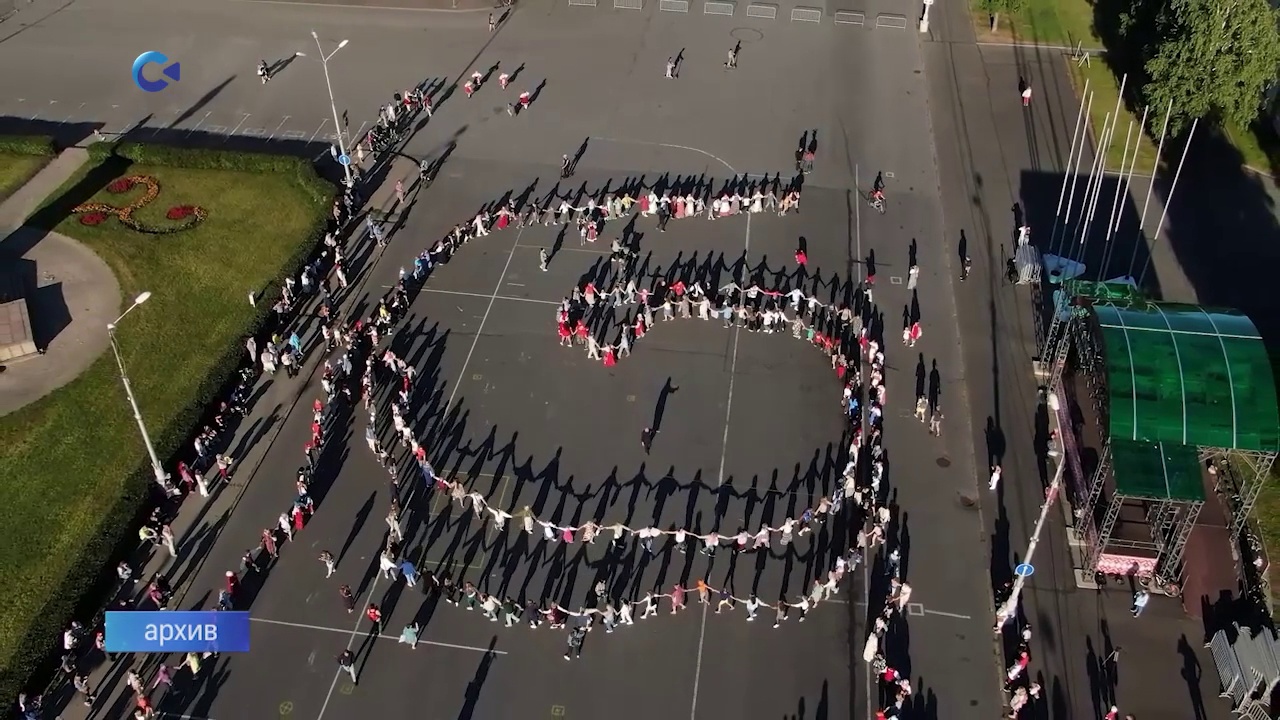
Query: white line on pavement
{"x": 348, "y": 140}
{"x": 940, "y": 613}
{"x": 317, "y": 132}
{"x": 321, "y": 628}
{"x": 197, "y": 127}
{"x": 923, "y": 611}
{"x": 489, "y": 297}
{"x": 724, "y": 445}
{"x": 237, "y": 127}
{"x": 282, "y": 122}
{"x": 565, "y": 249}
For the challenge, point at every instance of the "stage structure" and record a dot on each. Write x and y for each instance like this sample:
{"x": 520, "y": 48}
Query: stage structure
{"x": 1182, "y": 397}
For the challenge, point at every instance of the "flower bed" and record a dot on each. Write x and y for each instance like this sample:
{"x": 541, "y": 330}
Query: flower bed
{"x": 185, "y": 217}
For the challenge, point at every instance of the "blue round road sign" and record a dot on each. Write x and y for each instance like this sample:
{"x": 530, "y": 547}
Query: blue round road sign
{"x": 1024, "y": 570}
{"x": 344, "y": 160}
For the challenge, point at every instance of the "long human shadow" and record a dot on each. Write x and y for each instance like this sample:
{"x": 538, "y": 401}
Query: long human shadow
{"x": 446, "y": 438}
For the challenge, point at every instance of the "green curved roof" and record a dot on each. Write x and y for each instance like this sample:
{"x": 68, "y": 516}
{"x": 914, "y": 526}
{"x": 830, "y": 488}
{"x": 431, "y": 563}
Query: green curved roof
{"x": 1187, "y": 375}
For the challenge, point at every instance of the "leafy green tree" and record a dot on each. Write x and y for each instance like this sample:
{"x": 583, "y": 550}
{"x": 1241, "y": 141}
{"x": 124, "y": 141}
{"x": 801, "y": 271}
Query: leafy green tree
{"x": 1212, "y": 59}
{"x": 993, "y": 8}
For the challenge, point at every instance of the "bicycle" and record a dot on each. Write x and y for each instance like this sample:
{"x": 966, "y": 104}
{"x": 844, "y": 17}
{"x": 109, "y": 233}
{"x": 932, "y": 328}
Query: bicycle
{"x": 876, "y": 200}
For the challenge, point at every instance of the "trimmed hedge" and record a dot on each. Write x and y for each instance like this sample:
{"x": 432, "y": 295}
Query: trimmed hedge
{"x": 83, "y": 595}
{"x": 41, "y": 145}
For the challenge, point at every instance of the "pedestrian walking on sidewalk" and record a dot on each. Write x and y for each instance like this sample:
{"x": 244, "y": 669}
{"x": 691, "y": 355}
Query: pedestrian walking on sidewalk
{"x": 1024, "y": 89}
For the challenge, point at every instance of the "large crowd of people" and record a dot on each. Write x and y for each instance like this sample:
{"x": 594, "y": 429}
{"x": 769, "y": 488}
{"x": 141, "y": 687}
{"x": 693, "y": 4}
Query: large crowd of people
{"x": 360, "y": 369}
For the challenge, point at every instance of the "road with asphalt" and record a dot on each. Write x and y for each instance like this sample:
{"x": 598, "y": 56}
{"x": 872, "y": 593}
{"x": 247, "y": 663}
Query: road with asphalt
{"x": 539, "y": 421}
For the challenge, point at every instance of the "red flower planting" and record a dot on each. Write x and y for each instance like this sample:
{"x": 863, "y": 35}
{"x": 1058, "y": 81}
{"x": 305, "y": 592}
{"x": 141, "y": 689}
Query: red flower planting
{"x": 184, "y": 217}
{"x": 120, "y": 186}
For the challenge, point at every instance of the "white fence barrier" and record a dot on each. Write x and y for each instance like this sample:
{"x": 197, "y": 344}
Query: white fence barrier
{"x": 673, "y": 5}
{"x": 718, "y": 8}
{"x": 898, "y": 22}
{"x": 806, "y": 14}
{"x": 763, "y": 11}
{"x": 849, "y": 17}
{"x": 628, "y": 4}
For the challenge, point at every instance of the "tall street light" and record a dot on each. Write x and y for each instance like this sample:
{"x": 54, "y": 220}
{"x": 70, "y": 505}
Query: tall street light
{"x": 324, "y": 62}
{"x": 161, "y": 476}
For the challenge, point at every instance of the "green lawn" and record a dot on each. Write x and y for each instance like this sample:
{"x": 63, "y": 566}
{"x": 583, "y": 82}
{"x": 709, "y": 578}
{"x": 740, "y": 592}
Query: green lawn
{"x": 16, "y": 170}
{"x": 1067, "y": 23}
{"x": 1267, "y": 513}
{"x": 1106, "y": 89}
{"x": 73, "y": 462}
{"x": 1258, "y": 145}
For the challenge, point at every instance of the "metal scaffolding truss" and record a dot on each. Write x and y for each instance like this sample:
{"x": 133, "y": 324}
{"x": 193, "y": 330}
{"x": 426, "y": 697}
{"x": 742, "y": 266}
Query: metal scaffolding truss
{"x": 1174, "y": 531}
{"x": 1170, "y": 523}
{"x": 1067, "y": 320}
{"x": 1073, "y": 337}
{"x": 1241, "y": 475}
{"x": 1089, "y": 356}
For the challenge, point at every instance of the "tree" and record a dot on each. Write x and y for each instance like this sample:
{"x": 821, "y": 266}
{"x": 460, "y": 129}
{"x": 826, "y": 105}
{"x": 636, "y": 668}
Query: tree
{"x": 995, "y": 7}
{"x": 1211, "y": 59}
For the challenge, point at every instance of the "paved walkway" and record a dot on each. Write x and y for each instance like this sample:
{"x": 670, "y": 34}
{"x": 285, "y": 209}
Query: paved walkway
{"x": 993, "y": 153}
{"x": 199, "y": 522}
{"x": 72, "y": 293}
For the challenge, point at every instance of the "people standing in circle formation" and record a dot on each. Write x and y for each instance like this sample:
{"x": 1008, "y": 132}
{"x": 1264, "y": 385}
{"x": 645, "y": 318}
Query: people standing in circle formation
{"x": 844, "y": 332}
{"x": 688, "y": 292}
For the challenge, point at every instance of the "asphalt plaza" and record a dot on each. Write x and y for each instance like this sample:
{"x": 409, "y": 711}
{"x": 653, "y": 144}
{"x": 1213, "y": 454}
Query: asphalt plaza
{"x": 496, "y": 362}
{"x": 527, "y": 422}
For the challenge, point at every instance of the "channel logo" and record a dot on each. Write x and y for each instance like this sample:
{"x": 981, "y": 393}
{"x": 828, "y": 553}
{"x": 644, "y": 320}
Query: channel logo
{"x": 151, "y": 57}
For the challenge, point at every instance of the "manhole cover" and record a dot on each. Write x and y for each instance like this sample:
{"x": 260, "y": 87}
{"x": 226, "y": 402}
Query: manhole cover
{"x": 968, "y": 502}
{"x": 943, "y": 462}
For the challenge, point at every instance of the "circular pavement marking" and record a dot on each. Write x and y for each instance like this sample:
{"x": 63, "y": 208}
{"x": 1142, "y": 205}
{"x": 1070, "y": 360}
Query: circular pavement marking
{"x": 286, "y": 708}
{"x": 746, "y": 35}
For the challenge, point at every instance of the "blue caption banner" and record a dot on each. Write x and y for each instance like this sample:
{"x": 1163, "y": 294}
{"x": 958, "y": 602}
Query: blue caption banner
{"x": 166, "y": 631}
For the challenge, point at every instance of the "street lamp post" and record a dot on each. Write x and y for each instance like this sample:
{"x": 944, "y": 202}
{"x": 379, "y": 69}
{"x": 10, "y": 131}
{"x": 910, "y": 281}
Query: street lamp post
{"x": 324, "y": 62}
{"x": 162, "y": 478}
{"x": 924, "y": 17}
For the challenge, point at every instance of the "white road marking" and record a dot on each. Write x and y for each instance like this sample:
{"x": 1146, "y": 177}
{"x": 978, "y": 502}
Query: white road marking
{"x": 724, "y": 442}
{"x": 197, "y": 127}
{"x": 564, "y": 249}
{"x": 282, "y": 122}
{"x": 321, "y": 628}
{"x": 490, "y": 297}
{"x": 317, "y": 132}
{"x": 237, "y": 127}
{"x": 922, "y": 611}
